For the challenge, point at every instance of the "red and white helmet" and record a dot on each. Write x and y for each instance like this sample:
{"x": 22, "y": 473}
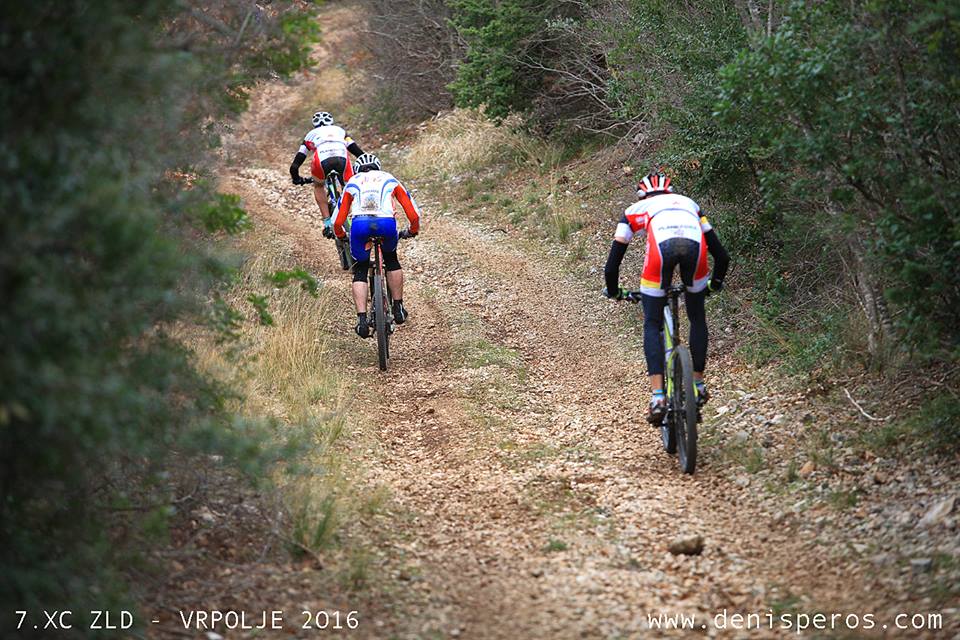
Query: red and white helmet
{"x": 652, "y": 183}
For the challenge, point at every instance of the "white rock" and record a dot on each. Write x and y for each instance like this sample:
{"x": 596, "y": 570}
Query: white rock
{"x": 937, "y": 512}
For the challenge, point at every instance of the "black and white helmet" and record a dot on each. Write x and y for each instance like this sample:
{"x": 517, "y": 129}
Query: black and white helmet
{"x": 366, "y": 162}
{"x": 322, "y": 119}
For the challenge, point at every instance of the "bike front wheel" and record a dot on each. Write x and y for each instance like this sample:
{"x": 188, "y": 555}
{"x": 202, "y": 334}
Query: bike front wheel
{"x": 684, "y": 409}
{"x": 667, "y": 433}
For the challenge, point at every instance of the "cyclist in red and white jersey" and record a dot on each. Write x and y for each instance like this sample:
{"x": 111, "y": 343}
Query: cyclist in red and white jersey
{"x": 329, "y": 145}
{"x": 368, "y": 201}
{"x": 677, "y": 235}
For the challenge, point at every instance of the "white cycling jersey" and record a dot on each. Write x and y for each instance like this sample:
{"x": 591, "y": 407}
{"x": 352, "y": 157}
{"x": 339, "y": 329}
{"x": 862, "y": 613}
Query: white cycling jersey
{"x": 372, "y": 193}
{"x": 329, "y": 141}
{"x": 669, "y": 215}
{"x": 662, "y": 218}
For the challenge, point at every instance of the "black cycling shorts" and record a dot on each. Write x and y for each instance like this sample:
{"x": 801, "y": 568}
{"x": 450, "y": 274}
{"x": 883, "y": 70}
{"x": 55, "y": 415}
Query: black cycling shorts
{"x": 321, "y": 169}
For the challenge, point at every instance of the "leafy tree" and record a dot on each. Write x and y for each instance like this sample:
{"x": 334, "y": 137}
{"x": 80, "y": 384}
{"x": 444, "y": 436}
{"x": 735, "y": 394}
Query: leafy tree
{"x": 847, "y": 112}
{"x": 820, "y": 133}
{"x": 502, "y": 67}
{"x": 107, "y": 110}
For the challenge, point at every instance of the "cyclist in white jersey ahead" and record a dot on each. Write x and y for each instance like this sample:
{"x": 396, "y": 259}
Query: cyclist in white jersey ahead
{"x": 329, "y": 145}
{"x": 368, "y": 200}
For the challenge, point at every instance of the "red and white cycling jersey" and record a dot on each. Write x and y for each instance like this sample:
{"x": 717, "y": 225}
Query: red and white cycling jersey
{"x": 324, "y": 142}
{"x": 661, "y": 218}
{"x": 371, "y": 193}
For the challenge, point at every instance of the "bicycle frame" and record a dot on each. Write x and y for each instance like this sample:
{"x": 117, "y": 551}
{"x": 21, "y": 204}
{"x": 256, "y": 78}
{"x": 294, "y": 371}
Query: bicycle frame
{"x": 376, "y": 264}
{"x": 333, "y": 183}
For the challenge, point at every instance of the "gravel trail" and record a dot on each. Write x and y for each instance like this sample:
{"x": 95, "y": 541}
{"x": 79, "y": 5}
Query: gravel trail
{"x": 531, "y": 499}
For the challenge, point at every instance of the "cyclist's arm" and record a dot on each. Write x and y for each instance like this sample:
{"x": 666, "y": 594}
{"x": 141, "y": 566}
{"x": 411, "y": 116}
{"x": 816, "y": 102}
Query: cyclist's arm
{"x": 346, "y": 200}
{"x": 353, "y": 147}
{"x": 408, "y": 207}
{"x": 297, "y": 161}
{"x": 618, "y": 249}
{"x": 611, "y": 272}
{"x": 721, "y": 259}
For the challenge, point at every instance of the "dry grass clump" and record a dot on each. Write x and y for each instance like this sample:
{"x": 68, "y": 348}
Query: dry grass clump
{"x": 460, "y": 141}
{"x": 466, "y": 146}
{"x": 288, "y": 373}
{"x": 285, "y": 371}
{"x": 292, "y": 360}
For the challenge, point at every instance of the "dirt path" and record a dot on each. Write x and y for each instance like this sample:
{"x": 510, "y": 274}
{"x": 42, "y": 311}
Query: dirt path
{"x": 530, "y": 499}
{"x": 546, "y": 505}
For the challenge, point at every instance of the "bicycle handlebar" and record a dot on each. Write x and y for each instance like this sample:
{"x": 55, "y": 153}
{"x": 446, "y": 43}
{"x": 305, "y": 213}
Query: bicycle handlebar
{"x": 635, "y": 295}
{"x": 333, "y": 174}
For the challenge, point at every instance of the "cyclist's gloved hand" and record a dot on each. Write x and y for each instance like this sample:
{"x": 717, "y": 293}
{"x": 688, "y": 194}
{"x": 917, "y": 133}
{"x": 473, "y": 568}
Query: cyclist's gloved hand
{"x": 406, "y": 233}
{"x": 714, "y": 286}
{"x": 298, "y": 179}
{"x": 328, "y": 227}
{"x": 619, "y": 294}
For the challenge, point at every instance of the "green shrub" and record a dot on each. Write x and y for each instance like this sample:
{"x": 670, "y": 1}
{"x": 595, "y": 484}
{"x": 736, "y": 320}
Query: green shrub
{"x": 101, "y": 250}
{"x": 935, "y": 427}
{"x": 845, "y": 112}
{"x": 505, "y": 41}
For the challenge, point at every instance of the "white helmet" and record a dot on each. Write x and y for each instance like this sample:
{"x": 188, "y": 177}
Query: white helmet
{"x": 366, "y": 162}
{"x": 322, "y": 118}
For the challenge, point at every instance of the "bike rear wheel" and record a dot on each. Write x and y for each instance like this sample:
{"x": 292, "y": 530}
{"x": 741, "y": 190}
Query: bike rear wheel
{"x": 668, "y": 435}
{"x": 380, "y": 313}
{"x": 684, "y": 413}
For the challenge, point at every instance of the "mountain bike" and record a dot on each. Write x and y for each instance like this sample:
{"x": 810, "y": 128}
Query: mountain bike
{"x": 679, "y": 428}
{"x": 334, "y": 189}
{"x": 381, "y": 301}
{"x": 334, "y": 183}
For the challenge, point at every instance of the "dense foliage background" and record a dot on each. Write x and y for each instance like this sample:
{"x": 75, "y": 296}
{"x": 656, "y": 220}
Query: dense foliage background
{"x": 110, "y": 113}
{"x": 822, "y": 135}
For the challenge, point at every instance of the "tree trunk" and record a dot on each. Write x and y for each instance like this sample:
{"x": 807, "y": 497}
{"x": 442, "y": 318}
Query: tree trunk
{"x": 870, "y": 296}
